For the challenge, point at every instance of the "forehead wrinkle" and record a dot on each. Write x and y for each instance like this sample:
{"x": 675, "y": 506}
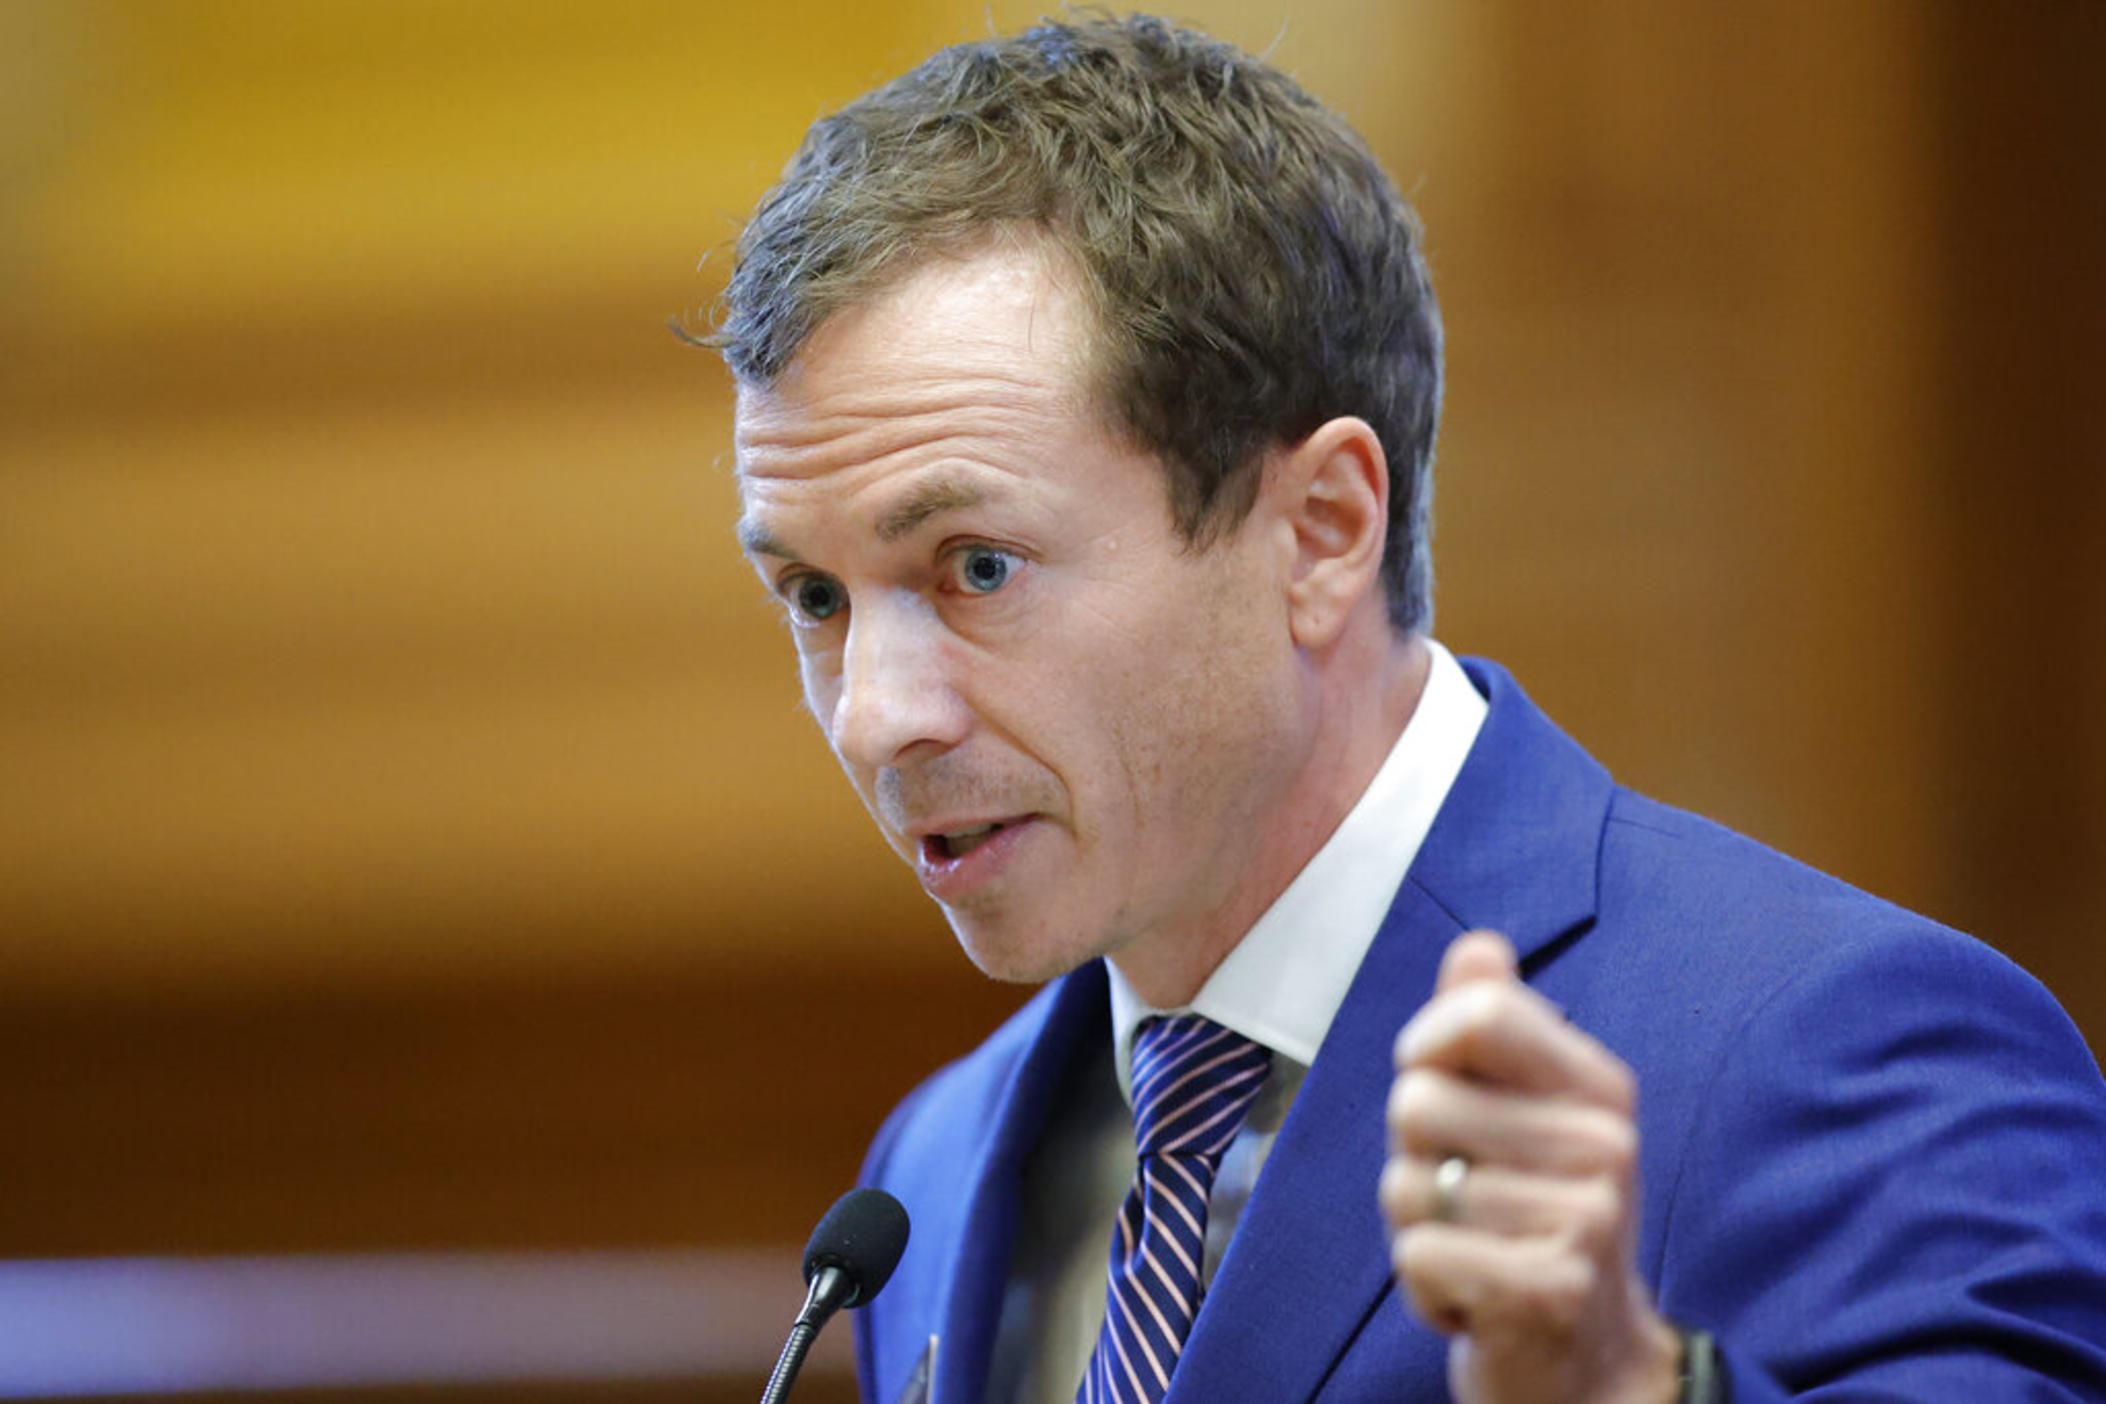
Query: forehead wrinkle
{"x": 998, "y": 438}
{"x": 807, "y": 414}
{"x": 872, "y": 438}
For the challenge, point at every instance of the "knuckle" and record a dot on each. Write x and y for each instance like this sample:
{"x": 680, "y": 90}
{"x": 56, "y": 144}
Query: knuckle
{"x": 1394, "y": 1192}
{"x": 1603, "y": 1143}
{"x": 1407, "y": 1254}
{"x": 1620, "y": 1147}
{"x": 1397, "y": 1111}
{"x": 1625, "y": 1086}
{"x": 1413, "y": 1100}
{"x": 1597, "y": 1214}
{"x": 1430, "y": 1298}
{"x": 1485, "y": 1006}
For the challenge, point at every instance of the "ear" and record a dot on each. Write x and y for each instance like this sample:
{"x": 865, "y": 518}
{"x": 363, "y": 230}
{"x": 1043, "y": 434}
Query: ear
{"x": 1335, "y": 487}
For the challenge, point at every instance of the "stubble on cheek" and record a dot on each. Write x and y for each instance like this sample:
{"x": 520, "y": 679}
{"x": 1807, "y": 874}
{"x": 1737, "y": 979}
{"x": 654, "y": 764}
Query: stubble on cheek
{"x": 1215, "y": 734}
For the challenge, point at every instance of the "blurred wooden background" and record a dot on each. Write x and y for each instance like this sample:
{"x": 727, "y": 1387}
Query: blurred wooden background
{"x": 408, "y": 836}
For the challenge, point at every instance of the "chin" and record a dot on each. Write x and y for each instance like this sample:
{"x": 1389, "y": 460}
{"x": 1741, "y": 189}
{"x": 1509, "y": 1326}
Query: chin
{"x": 1026, "y": 954}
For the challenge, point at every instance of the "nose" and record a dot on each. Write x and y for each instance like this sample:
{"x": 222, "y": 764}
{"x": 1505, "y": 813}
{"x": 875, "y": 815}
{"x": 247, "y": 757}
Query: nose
{"x": 895, "y": 688}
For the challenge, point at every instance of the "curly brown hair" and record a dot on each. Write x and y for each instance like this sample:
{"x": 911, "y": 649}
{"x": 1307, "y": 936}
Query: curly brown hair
{"x": 1254, "y": 271}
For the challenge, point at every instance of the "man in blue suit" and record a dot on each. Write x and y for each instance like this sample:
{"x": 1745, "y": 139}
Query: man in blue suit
{"x": 1087, "y": 391}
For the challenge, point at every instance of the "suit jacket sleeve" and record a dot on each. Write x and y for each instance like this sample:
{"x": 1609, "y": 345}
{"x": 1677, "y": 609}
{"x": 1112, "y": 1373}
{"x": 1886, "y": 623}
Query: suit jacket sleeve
{"x": 1895, "y": 1188}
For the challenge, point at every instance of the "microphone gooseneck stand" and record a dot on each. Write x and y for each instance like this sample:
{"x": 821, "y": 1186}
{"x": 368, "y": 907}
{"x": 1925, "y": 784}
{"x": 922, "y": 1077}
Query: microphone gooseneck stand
{"x": 848, "y": 1261}
{"x": 830, "y": 1288}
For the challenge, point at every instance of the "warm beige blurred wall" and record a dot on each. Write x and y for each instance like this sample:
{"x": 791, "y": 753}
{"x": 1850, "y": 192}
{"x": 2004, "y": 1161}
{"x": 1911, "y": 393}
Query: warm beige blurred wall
{"x": 370, "y": 630}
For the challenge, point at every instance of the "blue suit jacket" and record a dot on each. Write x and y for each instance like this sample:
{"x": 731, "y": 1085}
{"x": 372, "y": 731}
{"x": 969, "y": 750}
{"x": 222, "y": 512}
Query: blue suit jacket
{"x": 1873, "y": 1151}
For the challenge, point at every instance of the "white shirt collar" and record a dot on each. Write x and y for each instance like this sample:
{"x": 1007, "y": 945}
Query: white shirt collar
{"x": 1284, "y": 981}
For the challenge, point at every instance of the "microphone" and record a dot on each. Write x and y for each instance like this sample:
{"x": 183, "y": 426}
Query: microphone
{"x": 847, "y": 1262}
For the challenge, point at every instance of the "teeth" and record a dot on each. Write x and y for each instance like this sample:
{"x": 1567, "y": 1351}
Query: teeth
{"x": 965, "y": 841}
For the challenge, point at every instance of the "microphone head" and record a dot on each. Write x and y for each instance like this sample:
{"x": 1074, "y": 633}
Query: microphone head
{"x": 862, "y": 1235}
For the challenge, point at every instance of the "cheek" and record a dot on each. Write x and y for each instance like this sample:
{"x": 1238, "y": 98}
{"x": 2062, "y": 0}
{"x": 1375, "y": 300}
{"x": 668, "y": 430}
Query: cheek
{"x": 1168, "y": 720}
{"x": 1208, "y": 708}
{"x": 822, "y": 689}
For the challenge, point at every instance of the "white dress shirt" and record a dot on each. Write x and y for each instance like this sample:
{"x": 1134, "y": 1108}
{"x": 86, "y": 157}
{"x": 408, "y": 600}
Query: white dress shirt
{"x": 1281, "y": 985}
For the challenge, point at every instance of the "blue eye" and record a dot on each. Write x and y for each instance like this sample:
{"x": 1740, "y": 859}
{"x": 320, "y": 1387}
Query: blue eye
{"x": 817, "y": 597}
{"x": 984, "y": 570}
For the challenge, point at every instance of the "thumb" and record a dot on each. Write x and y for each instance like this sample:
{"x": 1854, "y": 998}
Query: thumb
{"x": 1476, "y": 955}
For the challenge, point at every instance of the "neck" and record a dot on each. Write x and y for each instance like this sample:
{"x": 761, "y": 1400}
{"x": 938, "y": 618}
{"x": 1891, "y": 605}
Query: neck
{"x": 1360, "y": 705}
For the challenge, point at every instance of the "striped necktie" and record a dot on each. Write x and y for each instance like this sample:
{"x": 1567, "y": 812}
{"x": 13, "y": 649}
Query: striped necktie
{"x": 1193, "y": 1083}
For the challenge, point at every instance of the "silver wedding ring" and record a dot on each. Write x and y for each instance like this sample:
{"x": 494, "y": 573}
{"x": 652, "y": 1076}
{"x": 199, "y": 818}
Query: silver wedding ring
{"x": 1447, "y": 1189}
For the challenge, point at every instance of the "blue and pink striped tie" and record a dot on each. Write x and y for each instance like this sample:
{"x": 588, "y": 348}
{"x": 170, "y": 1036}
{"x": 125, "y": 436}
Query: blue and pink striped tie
{"x": 1193, "y": 1084}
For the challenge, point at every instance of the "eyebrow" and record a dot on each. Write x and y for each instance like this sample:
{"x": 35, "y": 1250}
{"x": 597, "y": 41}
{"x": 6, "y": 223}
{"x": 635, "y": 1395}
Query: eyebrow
{"x": 929, "y": 500}
{"x": 757, "y": 540}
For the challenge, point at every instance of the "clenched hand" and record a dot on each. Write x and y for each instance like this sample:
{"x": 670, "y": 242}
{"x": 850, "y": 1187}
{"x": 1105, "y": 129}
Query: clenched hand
{"x": 1512, "y": 1198}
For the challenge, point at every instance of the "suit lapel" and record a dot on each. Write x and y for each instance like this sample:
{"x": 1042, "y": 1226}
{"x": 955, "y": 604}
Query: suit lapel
{"x": 1513, "y": 848}
{"x": 1310, "y": 1259}
{"x": 986, "y": 1204}
{"x": 1516, "y": 845}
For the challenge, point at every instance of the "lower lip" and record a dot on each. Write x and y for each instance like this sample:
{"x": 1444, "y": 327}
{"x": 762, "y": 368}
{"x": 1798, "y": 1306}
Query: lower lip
{"x": 947, "y": 879}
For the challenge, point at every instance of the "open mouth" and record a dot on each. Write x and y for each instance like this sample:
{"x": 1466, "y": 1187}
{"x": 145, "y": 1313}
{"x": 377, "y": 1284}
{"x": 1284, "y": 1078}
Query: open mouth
{"x": 962, "y": 841}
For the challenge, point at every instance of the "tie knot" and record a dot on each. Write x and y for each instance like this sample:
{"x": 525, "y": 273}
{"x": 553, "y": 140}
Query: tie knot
{"x": 1193, "y": 1083}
